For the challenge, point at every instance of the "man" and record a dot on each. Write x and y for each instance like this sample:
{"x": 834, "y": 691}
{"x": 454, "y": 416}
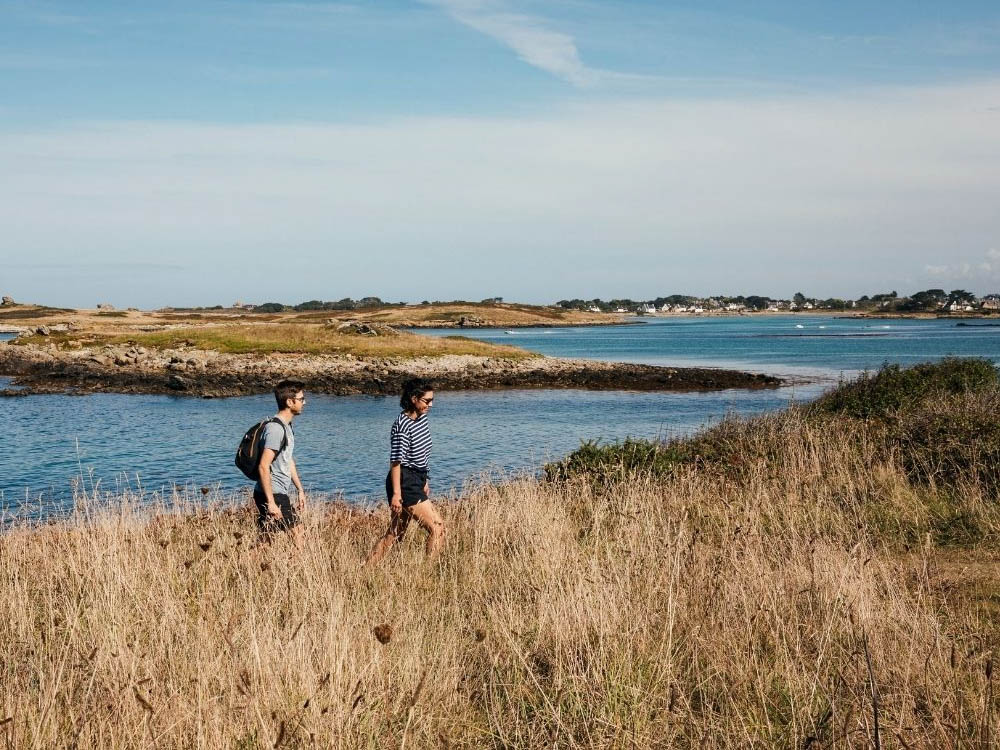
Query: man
{"x": 277, "y": 472}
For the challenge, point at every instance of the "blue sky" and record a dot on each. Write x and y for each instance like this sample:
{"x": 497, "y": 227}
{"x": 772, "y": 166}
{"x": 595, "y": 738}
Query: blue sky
{"x": 199, "y": 152}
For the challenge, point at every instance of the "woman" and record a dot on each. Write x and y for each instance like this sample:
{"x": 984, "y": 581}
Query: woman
{"x": 406, "y": 485}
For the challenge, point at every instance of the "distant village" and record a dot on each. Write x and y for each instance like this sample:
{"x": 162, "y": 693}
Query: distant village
{"x": 939, "y": 301}
{"x": 927, "y": 301}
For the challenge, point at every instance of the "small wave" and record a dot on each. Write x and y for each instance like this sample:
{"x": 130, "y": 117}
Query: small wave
{"x": 816, "y": 335}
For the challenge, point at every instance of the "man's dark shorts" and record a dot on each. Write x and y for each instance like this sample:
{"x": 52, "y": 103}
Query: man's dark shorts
{"x": 268, "y": 523}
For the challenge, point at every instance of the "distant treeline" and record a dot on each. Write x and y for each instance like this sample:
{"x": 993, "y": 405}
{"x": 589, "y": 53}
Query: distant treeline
{"x": 929, "y": 300}
{"x": 314, "y": 305}
{"x": 347, "y": 303}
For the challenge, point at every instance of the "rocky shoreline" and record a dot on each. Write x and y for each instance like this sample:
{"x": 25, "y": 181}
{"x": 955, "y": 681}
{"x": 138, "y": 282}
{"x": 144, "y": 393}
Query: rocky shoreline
{"x": 192, "y": 372}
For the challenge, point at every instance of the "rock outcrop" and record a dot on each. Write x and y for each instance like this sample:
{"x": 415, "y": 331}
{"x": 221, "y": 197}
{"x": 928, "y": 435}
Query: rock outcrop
{"x": 131, "y": 369}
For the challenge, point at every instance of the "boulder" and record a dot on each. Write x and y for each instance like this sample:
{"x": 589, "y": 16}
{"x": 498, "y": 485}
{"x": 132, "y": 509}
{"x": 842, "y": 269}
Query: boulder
{"x": 357, "y": 328}
{"x": 177, "y": 383}
{"x": 8, "y": 301}
{"x": 43, "y": 330}
{"x": 105, "y": 307}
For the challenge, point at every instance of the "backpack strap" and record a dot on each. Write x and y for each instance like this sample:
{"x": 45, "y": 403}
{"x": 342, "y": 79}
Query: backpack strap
{"x": 284, "y": 434}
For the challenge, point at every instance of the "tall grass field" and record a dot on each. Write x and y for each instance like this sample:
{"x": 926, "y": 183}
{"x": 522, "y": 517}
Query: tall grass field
{"x": 822, "y": 577}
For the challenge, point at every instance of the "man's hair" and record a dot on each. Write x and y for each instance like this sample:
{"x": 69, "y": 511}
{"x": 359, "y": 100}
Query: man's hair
{"x": 413, "y": 388}
{"x": 287, "y": 389}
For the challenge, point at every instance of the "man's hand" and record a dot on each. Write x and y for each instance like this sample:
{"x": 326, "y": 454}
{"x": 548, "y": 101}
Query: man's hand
{"x": 302, "y": 500}
{"x": 274, "y": 511}
{"x": 396, "y": 505}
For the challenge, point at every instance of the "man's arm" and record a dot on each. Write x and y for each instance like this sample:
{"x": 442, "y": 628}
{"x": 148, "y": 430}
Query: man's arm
{"x": 298, "y": 485}
{"x": 264, "y": 470}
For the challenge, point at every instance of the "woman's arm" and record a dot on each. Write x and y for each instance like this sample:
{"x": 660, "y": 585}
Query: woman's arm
{"x": 396, "y": 501}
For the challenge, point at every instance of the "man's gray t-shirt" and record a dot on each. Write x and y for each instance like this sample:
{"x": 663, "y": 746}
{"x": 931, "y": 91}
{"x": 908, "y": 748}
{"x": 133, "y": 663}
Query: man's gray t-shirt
{"x": 281, "y": 467}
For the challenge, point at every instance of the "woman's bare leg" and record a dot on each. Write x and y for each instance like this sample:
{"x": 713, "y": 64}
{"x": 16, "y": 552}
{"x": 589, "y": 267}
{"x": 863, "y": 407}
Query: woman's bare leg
{"x": 395, "y": 532}
{"x": 428, "y": 517}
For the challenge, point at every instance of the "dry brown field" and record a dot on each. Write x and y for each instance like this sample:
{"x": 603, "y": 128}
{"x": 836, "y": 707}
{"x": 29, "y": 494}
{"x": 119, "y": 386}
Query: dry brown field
{"x": 807, "y": 585}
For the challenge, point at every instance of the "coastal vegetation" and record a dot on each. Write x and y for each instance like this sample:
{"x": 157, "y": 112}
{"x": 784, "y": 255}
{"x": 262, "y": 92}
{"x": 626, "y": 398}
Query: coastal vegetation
{"x": 291, "y": 338}
{"x": 824, "y": 576}
{"x": 107, "y": 321}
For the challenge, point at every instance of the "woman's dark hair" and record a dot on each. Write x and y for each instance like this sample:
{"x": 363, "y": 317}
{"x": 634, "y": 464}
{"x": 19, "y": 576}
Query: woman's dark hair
{"x": 414, "y": 388}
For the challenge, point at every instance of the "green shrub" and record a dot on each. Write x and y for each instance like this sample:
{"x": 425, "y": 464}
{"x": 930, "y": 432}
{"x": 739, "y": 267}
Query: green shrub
{"x": 617, "y": 459}
{"x": 952, "y": 440}
{"x": 892, "y": 388}
{"x": 269, "y": 307}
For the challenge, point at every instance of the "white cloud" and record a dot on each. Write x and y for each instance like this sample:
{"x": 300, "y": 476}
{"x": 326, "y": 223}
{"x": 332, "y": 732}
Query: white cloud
{"x": 983, "y": 271}
{"x": 528, "y": 36}
{"x": 844, "y": 194}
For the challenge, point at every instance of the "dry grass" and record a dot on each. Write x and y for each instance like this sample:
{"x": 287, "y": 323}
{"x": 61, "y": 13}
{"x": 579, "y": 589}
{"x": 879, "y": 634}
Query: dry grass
{"x": 506, "y": 314}
{"x": 318, "y": 339}
{"x": 783, "y": 604}
{"x": 501, "y": 315}
{"x": 298, "y": 338}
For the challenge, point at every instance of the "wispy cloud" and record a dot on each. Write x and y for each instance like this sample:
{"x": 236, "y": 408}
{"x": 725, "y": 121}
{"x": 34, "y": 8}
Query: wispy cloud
{"x": 836, "y": 192}
{"x": 984, "y": 269}
{"x": 529, "y": 36}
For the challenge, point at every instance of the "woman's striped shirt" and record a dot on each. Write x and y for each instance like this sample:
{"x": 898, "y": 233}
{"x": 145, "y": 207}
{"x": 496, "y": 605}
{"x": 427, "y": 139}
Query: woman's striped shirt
{"x": 410, "y": 441}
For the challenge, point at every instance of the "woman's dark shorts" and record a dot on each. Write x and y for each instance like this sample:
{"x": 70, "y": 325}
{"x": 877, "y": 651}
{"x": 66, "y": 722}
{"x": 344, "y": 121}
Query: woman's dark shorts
{"x": 268, "y": 523}
{"x": 411, "y": 482}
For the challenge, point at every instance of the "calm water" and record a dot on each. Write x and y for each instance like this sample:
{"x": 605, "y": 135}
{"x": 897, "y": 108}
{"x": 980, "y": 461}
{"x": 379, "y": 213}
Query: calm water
{"x": 153, "y": 442}
{"x": 810, "y": 346}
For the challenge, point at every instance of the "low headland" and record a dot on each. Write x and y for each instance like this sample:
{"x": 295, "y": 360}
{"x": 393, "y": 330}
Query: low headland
{"x": 219, "y": 355}
{"x": 826, "y": 576}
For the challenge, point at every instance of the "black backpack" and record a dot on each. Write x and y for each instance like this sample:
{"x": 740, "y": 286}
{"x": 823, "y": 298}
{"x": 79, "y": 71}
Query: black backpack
{"x": 248, "y": 454}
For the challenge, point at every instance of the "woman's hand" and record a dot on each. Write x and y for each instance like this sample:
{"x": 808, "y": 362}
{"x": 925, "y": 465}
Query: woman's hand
{"x": 396, "y": 505}
{"x": 427, "y": 489}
